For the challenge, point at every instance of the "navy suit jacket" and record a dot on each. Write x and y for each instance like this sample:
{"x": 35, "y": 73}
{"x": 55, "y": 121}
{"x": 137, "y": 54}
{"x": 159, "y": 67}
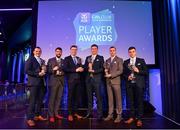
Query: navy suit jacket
{"x": 70, "y": 68}
{"x": 140, "y": 77}
{"x": 32, "y": 69}
{"x": 98, "y": 67}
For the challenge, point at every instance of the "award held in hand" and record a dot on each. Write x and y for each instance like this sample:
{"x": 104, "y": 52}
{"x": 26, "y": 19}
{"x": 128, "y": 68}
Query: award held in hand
{"x": 131, "y": 68}
{"x": 43, "y": 68}
{"x": 59, "y": 71}
{"x": 107, "y": 69}
{"x": 90, "y": 63}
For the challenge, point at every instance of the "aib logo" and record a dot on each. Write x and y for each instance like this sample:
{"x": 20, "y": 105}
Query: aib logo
{"x": 84, "y": 17}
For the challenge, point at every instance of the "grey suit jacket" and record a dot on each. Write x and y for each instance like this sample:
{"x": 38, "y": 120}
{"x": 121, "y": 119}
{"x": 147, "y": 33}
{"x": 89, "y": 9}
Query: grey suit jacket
{"x": 115, "y": 69}
{"x": 53, "y": 78}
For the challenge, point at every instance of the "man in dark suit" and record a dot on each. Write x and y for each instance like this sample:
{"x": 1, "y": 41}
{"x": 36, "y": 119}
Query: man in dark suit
{"x": 56, "y": 84}
{"x": 94, "y": 66}
{"x": 135, "y": 72}
{"x": 73, "y": 69}
{"x": 35, "y": 69}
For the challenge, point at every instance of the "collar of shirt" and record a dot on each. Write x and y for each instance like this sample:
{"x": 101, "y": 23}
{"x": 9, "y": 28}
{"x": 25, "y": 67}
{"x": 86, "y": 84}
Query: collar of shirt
{"x": 58, "y": 59}
{"x": 93, "y": 56}
{"x": 132, "y": 60}
{"x": 112, "y": 58}
{"x": 73, "y": 56}
{"x": 38, "y": 59}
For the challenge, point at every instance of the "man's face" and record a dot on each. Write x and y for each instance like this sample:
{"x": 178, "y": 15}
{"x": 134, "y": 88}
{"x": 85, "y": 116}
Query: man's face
{"x": 94, "y": 50}
{"x": 112, "y": 52}
{"x": 58, "y": 53}
{"x": 37, "y": 52}
{"x": 73, "y": 51}
{"x": 132, "y": 53}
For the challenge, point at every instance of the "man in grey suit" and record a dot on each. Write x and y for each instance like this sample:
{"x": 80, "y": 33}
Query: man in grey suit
{"x": 56, "y": 84}
{"x": 113, "y": 70}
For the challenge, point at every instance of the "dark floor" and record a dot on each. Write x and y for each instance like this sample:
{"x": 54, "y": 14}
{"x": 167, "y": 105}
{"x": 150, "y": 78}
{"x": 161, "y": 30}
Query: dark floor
{"x": 14, "y": 117}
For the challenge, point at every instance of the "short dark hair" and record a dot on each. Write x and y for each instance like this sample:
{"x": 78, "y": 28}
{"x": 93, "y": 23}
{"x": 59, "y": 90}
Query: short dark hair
{"x": 73, "y": 46}
{"x": 94, "y": 45}
{"x": 58, "y": 48}
{"x": 37, "y": 48}
{"x": 112, "y": 47}
{"x": 130, "y": 48}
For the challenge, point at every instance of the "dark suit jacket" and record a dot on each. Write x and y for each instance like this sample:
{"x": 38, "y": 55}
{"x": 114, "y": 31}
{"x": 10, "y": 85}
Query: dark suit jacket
{"x": 53, "y": 78}
{"x": 70, "y": 68}
{"x": 140, "y": 77}
{"x": 98, "y": 67}
{"x": 32, "y": 69}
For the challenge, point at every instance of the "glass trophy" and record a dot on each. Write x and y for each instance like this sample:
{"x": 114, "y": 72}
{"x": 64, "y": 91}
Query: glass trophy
{"x": 130, "y": 66}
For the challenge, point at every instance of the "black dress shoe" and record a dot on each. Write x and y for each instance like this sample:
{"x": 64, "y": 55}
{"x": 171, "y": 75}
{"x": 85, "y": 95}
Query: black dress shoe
{"x": 89, "y": 115}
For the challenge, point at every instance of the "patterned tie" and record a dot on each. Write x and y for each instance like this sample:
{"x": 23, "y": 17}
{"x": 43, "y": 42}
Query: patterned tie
{"x": 74, "y": 59}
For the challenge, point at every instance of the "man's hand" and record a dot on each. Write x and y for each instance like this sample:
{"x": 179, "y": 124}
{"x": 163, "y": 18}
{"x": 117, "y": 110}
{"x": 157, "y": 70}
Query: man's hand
{"x": 55, "y": 68}
{"x": 79, "y": 69}
{"x": 91, "y": 71}
{"x": 41, "y": 74}
{"x": 106, "y": 70}
{"x": 108, "y": 75}
{"x": 136, "y": 69}
{"x": 130, "y": 77}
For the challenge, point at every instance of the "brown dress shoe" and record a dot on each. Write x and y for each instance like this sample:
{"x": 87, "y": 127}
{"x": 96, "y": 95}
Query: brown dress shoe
{"x": 129, "y": 121}
{"x": 51, "y": 120}
{"x": 30, "y": 123}
{"x": 78, "y": 116}
{"x": 118, "y": 119}
{"x": 39, "y": 118}
{"x": 59, "y": 117}
{"x": 70, "y": 118}
{"x": 108, "y": 118}
{"x": 139, "y": 123}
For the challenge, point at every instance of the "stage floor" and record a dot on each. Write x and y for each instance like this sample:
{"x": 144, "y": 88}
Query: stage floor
{"x": 15, "y": 118}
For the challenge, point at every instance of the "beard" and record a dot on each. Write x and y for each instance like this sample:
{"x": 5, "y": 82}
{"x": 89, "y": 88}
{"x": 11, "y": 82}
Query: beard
{"x": 58, "y": 56}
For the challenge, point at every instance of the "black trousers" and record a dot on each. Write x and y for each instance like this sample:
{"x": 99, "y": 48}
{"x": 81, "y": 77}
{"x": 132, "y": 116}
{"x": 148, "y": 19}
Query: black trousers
{"x": 93, "y": 85}
{"x": 135, "y": 95}
{"x": 73, "y": 95}
{"x": 55, "y": 94}
{"x": 37, "y": 94}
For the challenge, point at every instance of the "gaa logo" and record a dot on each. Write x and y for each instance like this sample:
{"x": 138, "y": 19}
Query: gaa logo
{"x": 84, "y": 17}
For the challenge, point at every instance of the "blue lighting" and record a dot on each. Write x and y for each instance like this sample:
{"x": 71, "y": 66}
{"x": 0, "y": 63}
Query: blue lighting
{"x": 14, "y": 66}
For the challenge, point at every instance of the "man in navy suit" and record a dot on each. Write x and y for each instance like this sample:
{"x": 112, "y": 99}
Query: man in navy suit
{"x": 56, "y": 84}
{"x": 73, "y": 69}
{"x": 36, "y": 70}
{"x": 94, "y": 66}
{"x": 135, "y": 72}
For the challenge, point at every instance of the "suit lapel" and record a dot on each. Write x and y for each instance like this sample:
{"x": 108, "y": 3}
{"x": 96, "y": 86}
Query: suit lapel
{"x": 95, "y": 59}
{"x": 114, "y": 59}
{"x": 128, "y": 61}
{"x": 72, "y": 61}
{"x": 55, "y": 61}
{"x": 36, "y": 61}
{"x": 136, "y": 61}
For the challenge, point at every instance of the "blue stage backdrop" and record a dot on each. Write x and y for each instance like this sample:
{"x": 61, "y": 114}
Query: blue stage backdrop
{"x": 104, "y": 22}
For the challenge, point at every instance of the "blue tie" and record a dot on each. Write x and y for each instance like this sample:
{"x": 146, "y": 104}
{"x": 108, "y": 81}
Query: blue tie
{"x": 74, "y": 59}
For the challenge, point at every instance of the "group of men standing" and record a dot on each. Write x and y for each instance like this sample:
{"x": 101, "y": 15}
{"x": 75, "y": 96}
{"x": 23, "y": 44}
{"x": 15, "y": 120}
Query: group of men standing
{"x": 134, "y": 70}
